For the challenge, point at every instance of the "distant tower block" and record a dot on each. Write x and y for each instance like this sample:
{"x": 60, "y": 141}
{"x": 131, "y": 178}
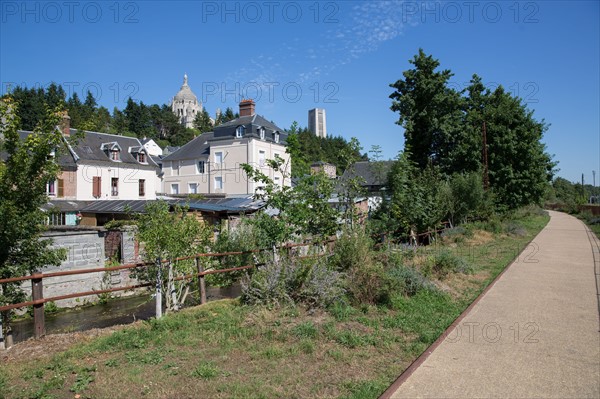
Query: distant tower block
{"x": 317, "y": 123}
{"x": 185, "y": 104}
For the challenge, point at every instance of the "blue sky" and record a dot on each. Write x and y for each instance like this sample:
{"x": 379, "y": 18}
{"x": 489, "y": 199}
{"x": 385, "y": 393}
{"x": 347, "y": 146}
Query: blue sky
{"x": 337, "y": 55}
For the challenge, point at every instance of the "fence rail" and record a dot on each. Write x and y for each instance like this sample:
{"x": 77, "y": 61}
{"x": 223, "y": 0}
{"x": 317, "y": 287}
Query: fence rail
{"x": 36, "y": 279}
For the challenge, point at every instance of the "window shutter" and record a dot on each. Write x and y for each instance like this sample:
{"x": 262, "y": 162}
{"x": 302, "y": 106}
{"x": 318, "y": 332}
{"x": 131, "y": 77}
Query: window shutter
{"x": 61, "y": 188}
{"x": 96, "y": 187}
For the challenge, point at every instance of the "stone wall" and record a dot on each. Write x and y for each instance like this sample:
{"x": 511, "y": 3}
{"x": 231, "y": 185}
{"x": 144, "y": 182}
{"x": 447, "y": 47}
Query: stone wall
{"x": 85, "y": 250}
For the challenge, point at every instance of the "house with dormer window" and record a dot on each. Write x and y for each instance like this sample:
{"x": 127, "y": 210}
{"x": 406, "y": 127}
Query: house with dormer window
{"x": 111, "y": 167}
{"x": 211, "y": 163}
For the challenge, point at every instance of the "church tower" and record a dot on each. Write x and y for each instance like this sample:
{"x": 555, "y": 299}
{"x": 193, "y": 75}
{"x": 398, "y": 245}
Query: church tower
{"x": 185, "y": 104}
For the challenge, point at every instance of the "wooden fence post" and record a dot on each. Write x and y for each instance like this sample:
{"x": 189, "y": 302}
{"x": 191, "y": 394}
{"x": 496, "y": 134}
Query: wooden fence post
{"x": 201, "y": 282}
{"x": 37, "y": 291}
{"x": 158, "y": 288}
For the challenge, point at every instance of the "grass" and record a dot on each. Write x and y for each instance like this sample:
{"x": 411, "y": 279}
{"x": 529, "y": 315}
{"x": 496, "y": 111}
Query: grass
{"x": 226, "y": 350}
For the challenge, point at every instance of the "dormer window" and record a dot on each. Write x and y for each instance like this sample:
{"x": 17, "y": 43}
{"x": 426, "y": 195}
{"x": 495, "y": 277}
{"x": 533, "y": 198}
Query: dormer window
{"x": 141, "y": 157}
{"x": 276, "y": 137}
{"x": 239, "y": 131}
{"x": 261, "y": 132}
{"x": 112, "y": 150}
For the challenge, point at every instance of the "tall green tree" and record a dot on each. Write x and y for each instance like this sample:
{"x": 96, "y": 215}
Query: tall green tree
{"x": 519, "y": 167}
{"x": 444, "y": 129}
{"x": 202, "y": 122}
{"x": 24, "y": 172}
{"x": 417, "y": 200}
{"x": 429, "y": 111}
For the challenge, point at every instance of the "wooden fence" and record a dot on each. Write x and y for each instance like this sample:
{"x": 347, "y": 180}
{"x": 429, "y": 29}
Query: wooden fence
{"x": 37, "y": 279}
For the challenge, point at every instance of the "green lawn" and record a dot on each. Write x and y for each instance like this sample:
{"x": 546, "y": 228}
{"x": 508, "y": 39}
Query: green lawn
{"x": 227, "y": 350}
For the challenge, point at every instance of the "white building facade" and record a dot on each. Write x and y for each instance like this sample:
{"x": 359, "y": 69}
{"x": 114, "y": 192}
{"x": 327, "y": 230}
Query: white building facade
{"x": 212, "y": 162}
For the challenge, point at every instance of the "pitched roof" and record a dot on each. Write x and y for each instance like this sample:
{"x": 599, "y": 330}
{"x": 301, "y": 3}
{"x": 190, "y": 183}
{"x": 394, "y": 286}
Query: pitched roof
{"x": 64, "y": 156}
{"x": 197, "y": 148}
{"x": 91, "y": 147}
{"x": 369, "y": 172}
{"x": 252, "y": 123}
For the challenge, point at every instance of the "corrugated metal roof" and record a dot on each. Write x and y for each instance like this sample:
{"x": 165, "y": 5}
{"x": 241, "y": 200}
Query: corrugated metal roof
{"x": 116, "y": 206}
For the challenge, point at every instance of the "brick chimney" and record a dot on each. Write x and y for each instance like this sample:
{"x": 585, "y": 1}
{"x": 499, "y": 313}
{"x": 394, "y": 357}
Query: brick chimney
{"x": 65, "y": 124}
{"x": 247, "y": 107}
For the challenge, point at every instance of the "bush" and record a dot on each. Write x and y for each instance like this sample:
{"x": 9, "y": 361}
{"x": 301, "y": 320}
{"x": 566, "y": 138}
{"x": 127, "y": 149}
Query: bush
{"x": 289, "y": 281}
{"x": 352, "y": 249}
{"x": 269, "y": 285}
{"x": 243, "y": 238}
{"x": 446, "y": 262}
{"x": 457, "y": 234}
{"x": 322, "y": 286}
{"x": 515, "y": 229}
{"x": 493, "y": 225}
{"x": 367, "y": 284}
{"x": 408, "y": 281}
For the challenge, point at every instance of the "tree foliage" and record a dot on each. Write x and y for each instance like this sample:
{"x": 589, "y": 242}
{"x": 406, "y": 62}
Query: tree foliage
{"x": 307, "y": 148}
{"x": 302, "y": 210}
{"x": 167, "y": 236}
{"x": 136, "y": 119}
{"x": 27, "y": 167}
{"x": 443, "y": 128}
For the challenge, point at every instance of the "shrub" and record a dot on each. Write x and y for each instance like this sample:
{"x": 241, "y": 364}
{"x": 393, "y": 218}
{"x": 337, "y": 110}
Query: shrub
{"x": 457, "y": 234}
{"x": 408, "y": 280}
{"x": 352, "y": 249}
{"x": 446, "y": 262}
{"x": 322, "y": 286}
{"x": 515, "y": 229}
{"x": 367, "y": 284}
{"x": 268, "y": 285}
{"x": 289, "y": 281}
{"x": 243, "y": 238}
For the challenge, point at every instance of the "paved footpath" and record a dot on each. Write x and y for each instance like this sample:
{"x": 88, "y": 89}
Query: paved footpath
{"x": 535, "y": 333}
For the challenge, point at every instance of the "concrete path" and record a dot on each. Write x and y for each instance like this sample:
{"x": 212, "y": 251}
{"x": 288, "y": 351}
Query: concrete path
{"x": 535, "y": 333}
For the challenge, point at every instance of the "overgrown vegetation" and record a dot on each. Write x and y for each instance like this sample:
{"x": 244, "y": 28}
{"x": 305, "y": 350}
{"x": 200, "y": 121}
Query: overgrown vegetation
{"x": 291, "y": 348}
{"x": 167, "y": 236}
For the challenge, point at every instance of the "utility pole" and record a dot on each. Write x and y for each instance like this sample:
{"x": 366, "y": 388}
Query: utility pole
{"x": 594, "y": 186}
{"x": 486, "y": 177}
{"x": 582, "y": 187}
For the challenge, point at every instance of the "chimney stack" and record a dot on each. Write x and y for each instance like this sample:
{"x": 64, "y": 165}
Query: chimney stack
{"x": 247, "y": 107}
{"x": 66, "y": 124}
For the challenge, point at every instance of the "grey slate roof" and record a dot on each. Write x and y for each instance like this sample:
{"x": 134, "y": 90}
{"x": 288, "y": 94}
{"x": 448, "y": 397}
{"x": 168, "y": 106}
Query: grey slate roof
{"x": 369, "y": 172}
{"x": 90, "y": 146}
{"x": 252, "y": 123}
{"x": 64, "y": 157}
{"x": 170, "y": 149}
{"x": 199, "y": 148}
{"x": 195, "y": 149}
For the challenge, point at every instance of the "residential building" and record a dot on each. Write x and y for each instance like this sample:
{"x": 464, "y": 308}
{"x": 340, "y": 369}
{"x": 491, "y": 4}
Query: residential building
{"x": 111, "y": 167}
{"x": 211, "y": 163}
{"x": 372, "y": 176}
{"x": 97, "y": 167}
{"x": 185, "y": 104}
{"x": 151, "y": 147}
{"x": 317, "y": 122}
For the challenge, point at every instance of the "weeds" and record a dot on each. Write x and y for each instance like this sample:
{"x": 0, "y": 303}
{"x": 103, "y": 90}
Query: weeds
{"x": 205, "y": 370}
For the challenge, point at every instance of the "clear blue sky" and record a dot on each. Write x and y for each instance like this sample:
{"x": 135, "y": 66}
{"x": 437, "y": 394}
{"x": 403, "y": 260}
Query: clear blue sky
{"x": 340, "y": 56}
